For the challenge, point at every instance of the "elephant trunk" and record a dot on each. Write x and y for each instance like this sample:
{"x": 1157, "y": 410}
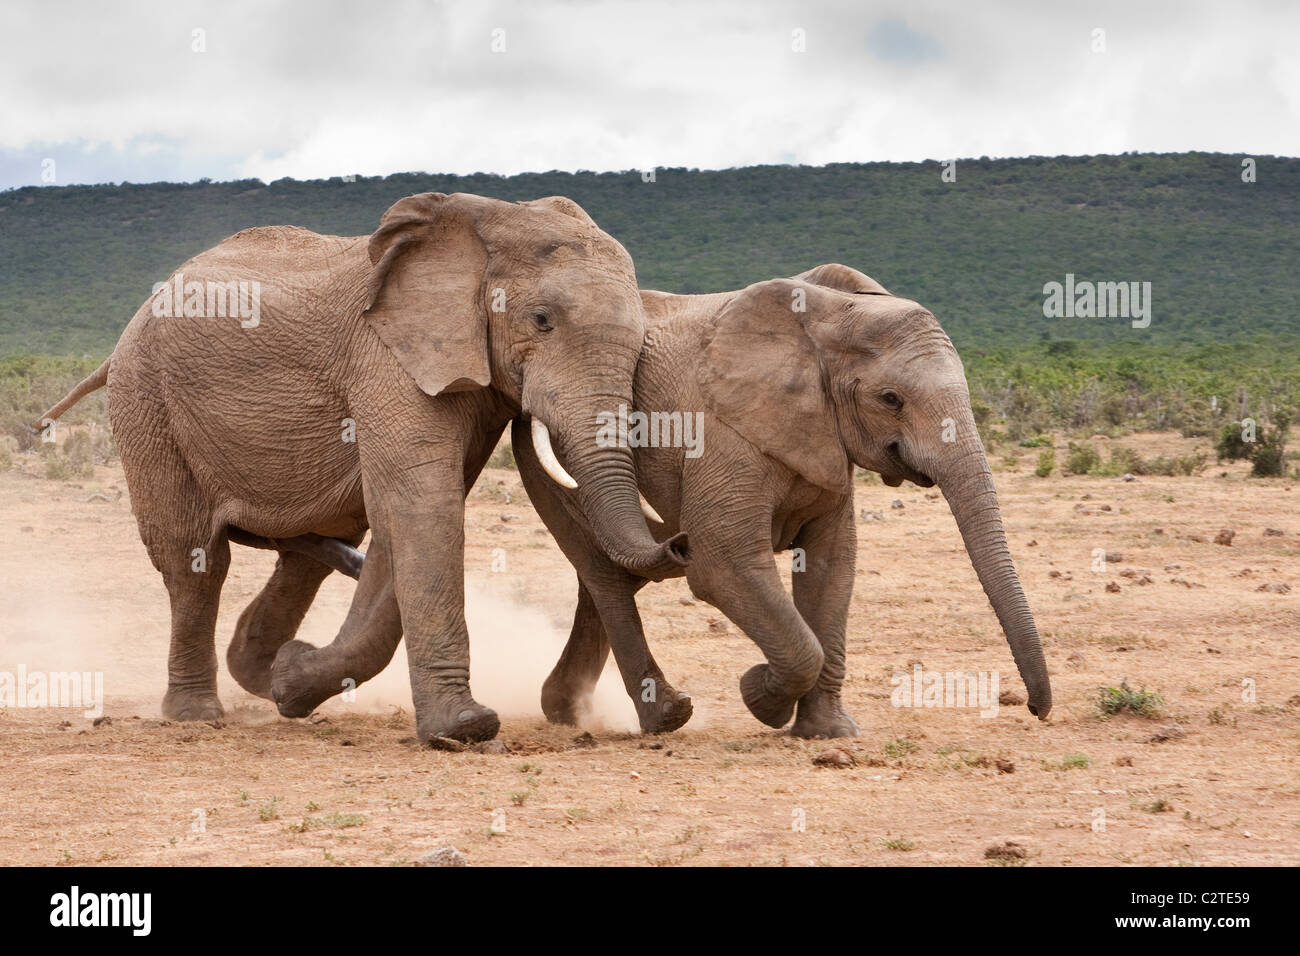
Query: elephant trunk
{"x": 963, "y": 475}
{"x": 608, "y": 495}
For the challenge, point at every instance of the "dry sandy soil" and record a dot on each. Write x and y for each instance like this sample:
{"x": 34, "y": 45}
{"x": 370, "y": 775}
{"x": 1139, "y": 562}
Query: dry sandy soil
{"x": 930, "y": 785}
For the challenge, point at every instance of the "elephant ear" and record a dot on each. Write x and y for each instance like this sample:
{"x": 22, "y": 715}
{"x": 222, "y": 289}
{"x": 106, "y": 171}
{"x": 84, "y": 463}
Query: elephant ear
{"x": 832, "y": 275}
{"x": 425, "y": 297}
{"x": 761, "y": 374}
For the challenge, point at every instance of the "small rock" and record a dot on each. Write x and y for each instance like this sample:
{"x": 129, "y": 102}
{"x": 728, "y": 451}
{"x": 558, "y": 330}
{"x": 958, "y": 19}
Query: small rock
{"x": 1123, "y": 761}
{"x": 443, "y": 856}
{"x": 1273, "y": 532}
{"x": 864, "y": 515}
{"x": 1293, "y": 700}
{"x": 1104, "y": 507}
{"x": 1004, "y": 766}
{"x": 585, "y": 739}
{"x": 896, "y": 504}
{"x": 1127, "y": 477}
{"x": 1075, "y": 660}
{"x": 1114, "y": 557}
{"x": 717, "y": 625}
{"x": 1172, "y": 732}
{"x": 1225, "y": 537}
{"x": 1275, "y": 588}
{"x": 1113, "y": 587}
{"x": 492, "y": 747}
{"x": 1032, "y": 544}
{"x": 685, "y": 601}
{"x": 445, "y": 743}
{"x": 1009, "y": 698}
{"x": 634, "y": 775}
{"x": 103, "y": 722}
{"x": 836, "y": 757}
{"x": 508, "y": 518}
{"x": 1005, "y": 851}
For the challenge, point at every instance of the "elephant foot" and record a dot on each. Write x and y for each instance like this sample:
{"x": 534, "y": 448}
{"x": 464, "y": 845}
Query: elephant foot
{"x": 773, "y": 709}
{"x": 823, "y": 717}
{"x": 181, "y": 703}
{"x": 249, "y": 663}
{"x": 460, "y": 717}
{"x": 298, "y": 685}
{"x": 562, "y": 704}
{"x": 669, "y": 710}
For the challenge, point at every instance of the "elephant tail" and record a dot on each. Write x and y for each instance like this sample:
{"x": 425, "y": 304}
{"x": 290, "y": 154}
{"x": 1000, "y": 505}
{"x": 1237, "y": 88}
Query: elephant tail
{"x": 91, "y": 383}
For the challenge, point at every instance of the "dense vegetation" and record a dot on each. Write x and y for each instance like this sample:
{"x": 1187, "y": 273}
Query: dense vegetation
{"x": 1220, "y": 254}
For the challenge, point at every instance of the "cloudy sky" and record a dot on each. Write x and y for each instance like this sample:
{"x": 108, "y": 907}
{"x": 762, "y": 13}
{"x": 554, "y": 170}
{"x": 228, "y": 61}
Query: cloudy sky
{"x": 145, "y": 91}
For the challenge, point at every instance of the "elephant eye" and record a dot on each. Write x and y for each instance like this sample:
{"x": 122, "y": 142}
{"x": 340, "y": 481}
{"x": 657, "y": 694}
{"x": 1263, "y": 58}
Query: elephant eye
{"x": 892, "y": 399}
{"x": 542, "y": 321}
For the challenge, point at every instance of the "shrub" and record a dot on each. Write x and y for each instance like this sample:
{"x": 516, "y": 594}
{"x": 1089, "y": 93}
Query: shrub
{"x": 1268, "y": 457}
{"x": 1116, "y": 700}
{"x": 1231, "y": 446}
{"x": 1082, "y": 459}
{"x": 1046, "y": 462}
{"x": 503, "y": 456}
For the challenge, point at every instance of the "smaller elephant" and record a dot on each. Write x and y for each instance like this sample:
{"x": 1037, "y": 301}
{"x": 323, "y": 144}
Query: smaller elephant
{"x": 795, "y": 382}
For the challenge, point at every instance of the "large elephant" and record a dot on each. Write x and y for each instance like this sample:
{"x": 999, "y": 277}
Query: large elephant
{"x": 366, "y": 388}
{"x": 796, "y": 380}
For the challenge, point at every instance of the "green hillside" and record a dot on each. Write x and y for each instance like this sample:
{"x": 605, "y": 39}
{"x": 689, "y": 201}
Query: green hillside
{"x": 76, "y": 261}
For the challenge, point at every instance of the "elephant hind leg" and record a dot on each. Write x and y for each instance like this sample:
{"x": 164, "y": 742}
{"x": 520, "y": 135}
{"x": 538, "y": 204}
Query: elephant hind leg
{"x": 566, "y": 694}
{"x": 193, "y": 576}
{"x": 272, "y": 619}
{"x": 190, "y": 551}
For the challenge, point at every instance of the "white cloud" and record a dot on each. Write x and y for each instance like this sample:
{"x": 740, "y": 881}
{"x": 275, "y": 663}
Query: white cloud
{"x": 317, "y": 89}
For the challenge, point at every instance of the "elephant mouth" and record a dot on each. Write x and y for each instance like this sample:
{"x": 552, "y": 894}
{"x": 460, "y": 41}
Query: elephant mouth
{"x": 897, "y": 471}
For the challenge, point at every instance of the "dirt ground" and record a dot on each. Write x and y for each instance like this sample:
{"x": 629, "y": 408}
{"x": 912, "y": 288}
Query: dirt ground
{"x": 1215, "y": 779}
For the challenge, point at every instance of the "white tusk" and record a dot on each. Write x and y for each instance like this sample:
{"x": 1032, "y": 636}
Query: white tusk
{"x": 649, "y": 512}
{"x": 546, "y": 456}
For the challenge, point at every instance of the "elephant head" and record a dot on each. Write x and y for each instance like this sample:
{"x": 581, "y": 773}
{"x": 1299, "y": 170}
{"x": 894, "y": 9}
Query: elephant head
{"x": 829, "y": 370}
{"x": 533, "y": 300}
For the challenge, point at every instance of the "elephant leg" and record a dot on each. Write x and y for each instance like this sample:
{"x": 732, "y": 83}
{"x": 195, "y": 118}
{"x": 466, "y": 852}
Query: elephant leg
{"x": 271, "y": 619}
{"x": 176, "y": 526}
{"x": 740, "y": 579}
{"x": 194, "y": 587}
{"x": 304, "y": 676}
{"x": 566, "y": 694}
{"x": 660, "y": 707}
{"x": 822, "y": 592}
{"x": 606, "y": 618}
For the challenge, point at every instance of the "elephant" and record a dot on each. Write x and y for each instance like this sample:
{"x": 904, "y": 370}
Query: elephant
{"x": 361, "y": 385}
{"x": 796, "y": 380}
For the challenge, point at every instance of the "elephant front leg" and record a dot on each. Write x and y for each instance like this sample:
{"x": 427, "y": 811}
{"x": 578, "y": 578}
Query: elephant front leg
{"x": 744, "y": 585}
{"x": 566, "y": 693}
{"x": 823, "y": 588}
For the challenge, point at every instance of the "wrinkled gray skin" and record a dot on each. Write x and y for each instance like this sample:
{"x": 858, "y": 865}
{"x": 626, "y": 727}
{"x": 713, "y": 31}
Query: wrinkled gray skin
{"x": 792, "y": 399}
{"x": 233, "y": 433}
